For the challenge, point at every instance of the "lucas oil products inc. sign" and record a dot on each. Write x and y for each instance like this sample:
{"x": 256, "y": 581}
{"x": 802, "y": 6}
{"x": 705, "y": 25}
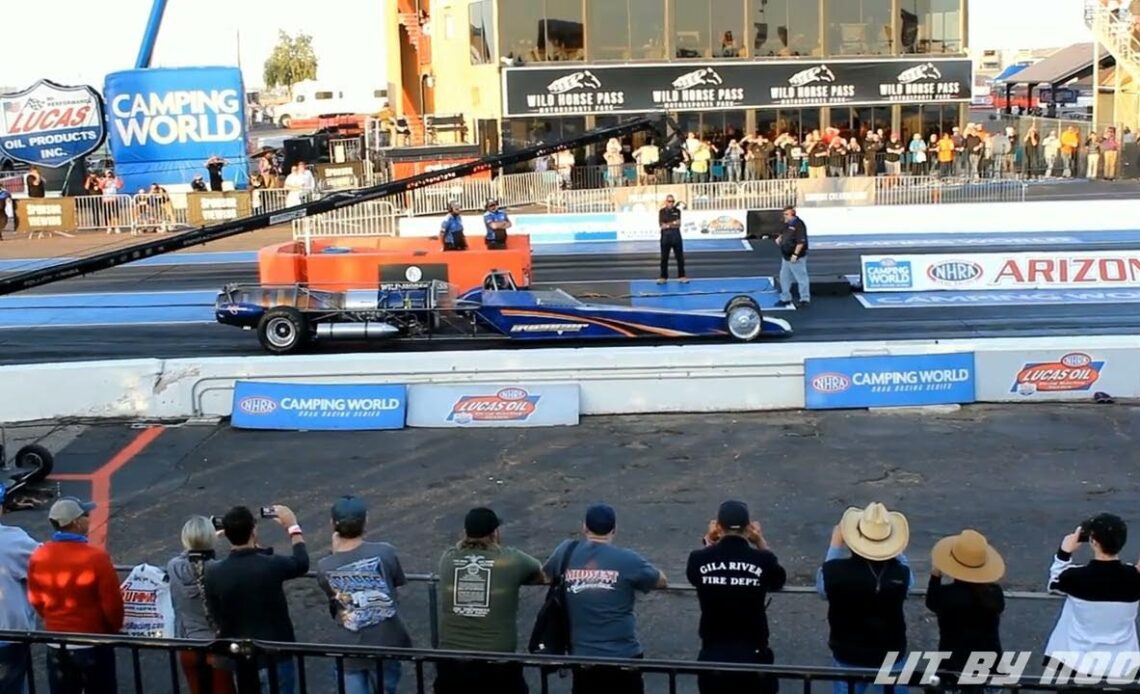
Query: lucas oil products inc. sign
{"x": 719, "y": 85}
{"x": 165, "y": 123}
{"x": 50, "y": 124}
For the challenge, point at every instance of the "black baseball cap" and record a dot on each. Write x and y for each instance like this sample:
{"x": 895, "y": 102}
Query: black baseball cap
{"x": 480, "y": 522}
{"x": 349, "y": 508}
{"x": 733, "y": 515}
{"x": 601, "y": 519}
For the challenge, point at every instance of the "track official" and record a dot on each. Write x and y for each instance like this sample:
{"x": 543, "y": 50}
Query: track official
{"x": 497, "y": 223}
{"x": 669, "y": 219}
{"x": 451, "y": 231}
{"x": 793, "y": 243}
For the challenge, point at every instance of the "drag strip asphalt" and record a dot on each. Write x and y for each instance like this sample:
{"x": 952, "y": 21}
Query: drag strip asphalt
{"x": 830, "y": 317}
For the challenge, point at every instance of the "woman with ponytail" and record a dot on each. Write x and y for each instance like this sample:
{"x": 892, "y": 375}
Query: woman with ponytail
{"x": 192, "y": 619}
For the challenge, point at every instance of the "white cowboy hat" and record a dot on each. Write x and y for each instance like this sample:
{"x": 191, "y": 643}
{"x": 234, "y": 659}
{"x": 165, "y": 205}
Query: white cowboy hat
{"x": 968, "y": 557}
{"x": 874, "y": 532}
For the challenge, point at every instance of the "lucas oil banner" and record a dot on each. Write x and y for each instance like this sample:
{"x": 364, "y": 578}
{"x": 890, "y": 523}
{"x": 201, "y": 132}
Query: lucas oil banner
{"x": 50, "y": 125}
{"x": 165, "y": 123}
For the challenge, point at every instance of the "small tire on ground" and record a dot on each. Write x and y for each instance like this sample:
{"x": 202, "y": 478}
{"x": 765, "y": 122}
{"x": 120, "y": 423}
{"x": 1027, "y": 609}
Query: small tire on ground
{"x": 37, "y": 458}
{"x": 742, "y": 318}
{"x": 283, "y": 330}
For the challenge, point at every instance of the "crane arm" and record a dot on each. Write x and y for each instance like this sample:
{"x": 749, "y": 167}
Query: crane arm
{"x": 194, "y": 237}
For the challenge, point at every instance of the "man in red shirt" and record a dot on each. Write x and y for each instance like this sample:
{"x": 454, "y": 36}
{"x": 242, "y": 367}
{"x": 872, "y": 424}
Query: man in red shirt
{"x": 74, "y": 588}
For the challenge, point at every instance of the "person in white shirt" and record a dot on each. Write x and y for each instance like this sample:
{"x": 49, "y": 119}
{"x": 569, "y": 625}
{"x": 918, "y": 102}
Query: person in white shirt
{"x": 294, "y": 186}
{"x": 307, "y": 181}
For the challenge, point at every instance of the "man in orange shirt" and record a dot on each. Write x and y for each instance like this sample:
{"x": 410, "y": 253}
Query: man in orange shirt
{"x": 946, "y": 155}
{"x": 1070, "y": 150}
{"x": 74, "y": 588}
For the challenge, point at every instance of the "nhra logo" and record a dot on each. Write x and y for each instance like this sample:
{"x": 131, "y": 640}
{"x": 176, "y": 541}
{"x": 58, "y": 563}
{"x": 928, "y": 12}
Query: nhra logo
{"x": 954, "y": 272}
{"x": 508, "y": 405}
{"x": 49, "y": 124}
{"x": 257, "y": 405}
{"x": 1073, "y": 372}
{"x": 830, "y": 383}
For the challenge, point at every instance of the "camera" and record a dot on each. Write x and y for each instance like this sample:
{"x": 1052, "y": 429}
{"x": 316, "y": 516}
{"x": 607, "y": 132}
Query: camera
{"x": 268, "y": 512}
{"x": 1085, "y": 528}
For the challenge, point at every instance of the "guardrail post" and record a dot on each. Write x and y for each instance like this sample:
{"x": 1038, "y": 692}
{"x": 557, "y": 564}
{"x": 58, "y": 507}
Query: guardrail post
{"x": 433, "y": 617}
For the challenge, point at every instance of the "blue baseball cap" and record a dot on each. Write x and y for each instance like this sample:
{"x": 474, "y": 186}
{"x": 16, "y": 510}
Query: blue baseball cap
{"x": 601, "y": 519}
{"x": 349, "y": 508}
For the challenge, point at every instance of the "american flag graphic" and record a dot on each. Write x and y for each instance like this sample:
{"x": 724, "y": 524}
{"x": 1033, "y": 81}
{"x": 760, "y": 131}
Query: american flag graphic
{"x": 13, "y": 106}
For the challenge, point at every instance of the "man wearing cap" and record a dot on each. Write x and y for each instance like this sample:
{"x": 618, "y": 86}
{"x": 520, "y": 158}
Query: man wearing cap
{"x": 969, "y": 608}
{"x": 245, "y": 592}
{"x": 602, "y": 582}
{"x": 733, "y": 575}
{"x": 360, "y": 579}
{"x": 1101, "y": 598}
{"x": 451, "y": 230}
{"x": 92, "y": 606}
{"x": 16, "y": 614}
{"x": 866, "y": 590}
{"x": 479, "y": 606}
{"x": 497, "y": 223}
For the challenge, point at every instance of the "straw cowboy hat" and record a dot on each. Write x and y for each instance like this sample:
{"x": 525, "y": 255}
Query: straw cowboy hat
{"x": 874, "y": 532}
{"x": 968, "y": 557}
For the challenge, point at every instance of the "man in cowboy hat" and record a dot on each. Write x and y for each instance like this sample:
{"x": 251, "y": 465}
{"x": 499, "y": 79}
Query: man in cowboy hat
{"x": 1101, "y": 597}
{"x": 968, "y": 609}
{"x": 866, "y": 590}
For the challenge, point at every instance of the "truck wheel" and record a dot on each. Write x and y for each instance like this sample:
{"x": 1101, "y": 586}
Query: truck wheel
{"x": 285, "y": 121}
{"x": 36, "y": 458}
{"x": 742, "y": 318}
{"x": 283, "y": 330}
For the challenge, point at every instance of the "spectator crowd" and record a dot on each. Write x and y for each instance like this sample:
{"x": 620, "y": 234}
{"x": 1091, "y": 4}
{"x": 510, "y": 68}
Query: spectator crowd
{"x": 68, "y": 585}
{"x": 975, "y": 151}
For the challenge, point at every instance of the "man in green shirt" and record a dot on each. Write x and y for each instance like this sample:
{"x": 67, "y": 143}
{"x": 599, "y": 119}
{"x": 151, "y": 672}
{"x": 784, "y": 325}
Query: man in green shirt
{"x": 479, "y": 606}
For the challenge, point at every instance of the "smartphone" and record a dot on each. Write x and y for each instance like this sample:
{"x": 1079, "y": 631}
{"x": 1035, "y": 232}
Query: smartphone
{"x": 1083, "y": 535}
{"x": 268, "y": 512}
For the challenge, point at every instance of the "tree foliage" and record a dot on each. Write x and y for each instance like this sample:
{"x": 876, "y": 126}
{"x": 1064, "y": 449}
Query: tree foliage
{"x": 291, "y": 61}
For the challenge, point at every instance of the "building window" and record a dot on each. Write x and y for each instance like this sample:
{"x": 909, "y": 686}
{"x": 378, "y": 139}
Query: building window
{"x": 708, "y": 28}
{"x": 482, "y": 32}
{"x": 607, "y": 30}
{"x": 859, "y": 27}
{"x": 784, "y": 28}
{"x": 647, "y": 29}
{"x": 539, "y": 31}
{"x": 930, "y": 26}
{"x": 797, "y": 122}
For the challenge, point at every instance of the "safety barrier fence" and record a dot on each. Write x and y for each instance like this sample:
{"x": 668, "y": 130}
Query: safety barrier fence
{"x": 319, "y": 665}
{"x": 372, "y": 218}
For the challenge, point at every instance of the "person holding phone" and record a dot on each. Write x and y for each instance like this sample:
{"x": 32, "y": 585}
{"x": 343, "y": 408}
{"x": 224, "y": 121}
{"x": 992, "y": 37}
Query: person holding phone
{"x": 1101, "y": 597}
{"x": 245, "y": 592}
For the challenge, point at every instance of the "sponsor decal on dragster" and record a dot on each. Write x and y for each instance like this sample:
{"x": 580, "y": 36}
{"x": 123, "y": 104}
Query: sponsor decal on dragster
{"x": 1074, "y": 372}
{"x": 508, "y": 405}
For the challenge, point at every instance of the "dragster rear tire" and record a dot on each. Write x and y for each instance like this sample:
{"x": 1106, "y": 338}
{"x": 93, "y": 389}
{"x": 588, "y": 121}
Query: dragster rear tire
{"x": 283, "y": 330}
{"x": 742, "y": 319}
{"x": 39, "y": 459}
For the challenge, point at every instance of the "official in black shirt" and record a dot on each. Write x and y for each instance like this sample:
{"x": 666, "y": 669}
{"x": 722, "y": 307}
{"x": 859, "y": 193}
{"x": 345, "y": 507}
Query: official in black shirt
{"x": 245, "y": 592}
{"x": 866, "y": 590}
{"x": 669, "y": 218}
{"x": 969, "y": 608}
{"x": 733, "y": 575}
{"x": 793, "y": 243}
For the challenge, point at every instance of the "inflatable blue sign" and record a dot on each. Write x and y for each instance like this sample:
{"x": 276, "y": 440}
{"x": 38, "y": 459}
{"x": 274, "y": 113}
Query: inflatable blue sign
{"x": 166, "y": 122}
{"x": 50, "y": 124}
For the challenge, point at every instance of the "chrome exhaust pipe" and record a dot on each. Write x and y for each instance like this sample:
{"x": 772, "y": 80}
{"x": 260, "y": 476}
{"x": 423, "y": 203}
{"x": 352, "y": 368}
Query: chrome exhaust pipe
{"x": 356, "y": 331}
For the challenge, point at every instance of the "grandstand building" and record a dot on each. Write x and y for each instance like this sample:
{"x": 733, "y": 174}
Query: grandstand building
{"x": 520, "y": 70}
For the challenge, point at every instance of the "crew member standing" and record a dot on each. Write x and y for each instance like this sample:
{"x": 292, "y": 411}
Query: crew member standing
{"x": 793, "y": 243}
{"x": 670, "y": 220}
{"x": 497, "y": 224}
{"x": 451, "y": 231}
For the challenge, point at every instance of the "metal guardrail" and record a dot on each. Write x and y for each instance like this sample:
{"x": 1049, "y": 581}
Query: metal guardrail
{"x": 926, "y": 190}
{"x": 373, "y": 218}
{"x": 130, "y": 213}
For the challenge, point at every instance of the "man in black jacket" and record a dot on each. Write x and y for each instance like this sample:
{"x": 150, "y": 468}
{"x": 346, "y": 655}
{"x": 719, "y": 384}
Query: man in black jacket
{"x": 245, "y": 592}
{"x": 793, "y": 243}
{"x": 669, "y": 219}
{"x": 866, "y": 590}
{"x": 733, "y": 575}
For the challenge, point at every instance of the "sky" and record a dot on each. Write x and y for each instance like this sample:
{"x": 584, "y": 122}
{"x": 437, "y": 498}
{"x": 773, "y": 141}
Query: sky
{"x": 206, "y": 32}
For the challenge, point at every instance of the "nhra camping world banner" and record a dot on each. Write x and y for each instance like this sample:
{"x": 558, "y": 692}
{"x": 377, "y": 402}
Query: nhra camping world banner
{"x": 593, "y": 89}
{"x": 50, "y": 124}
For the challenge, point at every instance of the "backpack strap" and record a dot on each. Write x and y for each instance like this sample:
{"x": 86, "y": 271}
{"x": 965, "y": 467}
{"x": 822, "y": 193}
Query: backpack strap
{"x": 565, "y": 562}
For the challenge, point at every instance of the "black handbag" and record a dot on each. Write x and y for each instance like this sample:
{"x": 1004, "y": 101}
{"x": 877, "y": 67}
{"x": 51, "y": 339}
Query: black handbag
{"x": 551, "y": 634}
